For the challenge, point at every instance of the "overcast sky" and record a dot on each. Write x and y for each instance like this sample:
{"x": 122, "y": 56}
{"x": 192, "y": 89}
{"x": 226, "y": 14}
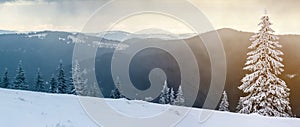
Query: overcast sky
{"x": 72, "y": 15}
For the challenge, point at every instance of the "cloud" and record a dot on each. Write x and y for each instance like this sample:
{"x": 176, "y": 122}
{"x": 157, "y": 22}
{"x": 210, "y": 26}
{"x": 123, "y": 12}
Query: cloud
{"x": 28, "y": 1}
{"x": 5, "y": 1}
{"x": 73, "y": 14}
{"x": 32, "y": 15}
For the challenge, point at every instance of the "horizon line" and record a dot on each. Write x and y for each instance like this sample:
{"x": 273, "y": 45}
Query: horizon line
{"x": 44, "y": 30}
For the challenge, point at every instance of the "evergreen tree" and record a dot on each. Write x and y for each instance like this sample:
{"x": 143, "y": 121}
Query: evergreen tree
{"x": 116, "y": 92}
{"x": 224, "y": 103}
{"x": 61, "y": 80}
{"x": 53, "y": 85}
{"x": 268, "y": 95}
{"x": 165, "y": 94}
{"x": 39, "y": 82}
{"x": 240, "y": 103}
{"x": 20, "y": 80}
{"x": 179, "y": 100}
{"x": 172, "y": 97}
{"x": 79, "y": 82}
{"x": 71, "y": 89}
{"x": 5, "y": 80}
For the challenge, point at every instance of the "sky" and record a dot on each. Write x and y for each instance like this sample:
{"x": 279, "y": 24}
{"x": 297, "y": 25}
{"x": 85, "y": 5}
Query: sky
{"x": 72, "y": 15}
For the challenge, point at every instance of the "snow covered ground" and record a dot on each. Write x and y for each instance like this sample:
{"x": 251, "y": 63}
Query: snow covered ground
{"x": 32, "y": 109}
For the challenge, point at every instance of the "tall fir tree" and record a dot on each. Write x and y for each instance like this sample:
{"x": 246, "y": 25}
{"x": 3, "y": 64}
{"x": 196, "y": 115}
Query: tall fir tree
{"x": 79, "y": 82}
{"x": 115, "y": 93}
{"x": 20, "y": 80}
{"x": 172, "y": 96}
{"x": 71, "y": 89}
{"x": 165, "y": 94}
{"x": 268, "y": 95}
{"x": 53, "y": 85}
{"x": 179, "y": 100}
{"x": 39, "y": 82}
{"x": 224, "y": 105}
{"x": 5, "y": 80}
{"x": 61, "y": 80}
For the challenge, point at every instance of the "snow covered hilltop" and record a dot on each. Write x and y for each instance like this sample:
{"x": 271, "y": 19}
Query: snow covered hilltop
{"x": 34, "y": 109}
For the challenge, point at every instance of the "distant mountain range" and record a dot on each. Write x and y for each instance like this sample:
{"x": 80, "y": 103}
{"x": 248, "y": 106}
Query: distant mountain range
{"x": 45, "y": 49}
{"x": 7, "y": 32}
{"x": 122, "y": 36}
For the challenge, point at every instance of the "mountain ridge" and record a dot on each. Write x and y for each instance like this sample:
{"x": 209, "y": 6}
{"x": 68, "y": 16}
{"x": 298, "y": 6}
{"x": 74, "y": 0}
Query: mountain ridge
{"x": 38, "y": 50}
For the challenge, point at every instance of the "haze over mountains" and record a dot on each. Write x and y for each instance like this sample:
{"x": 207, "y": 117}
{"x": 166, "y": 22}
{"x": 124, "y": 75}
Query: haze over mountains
{"x": 7, "y": 32}
{"x": 45, "y": 49}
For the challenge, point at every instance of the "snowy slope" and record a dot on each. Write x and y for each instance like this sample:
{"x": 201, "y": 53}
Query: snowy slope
{"x": 30, "y": 109}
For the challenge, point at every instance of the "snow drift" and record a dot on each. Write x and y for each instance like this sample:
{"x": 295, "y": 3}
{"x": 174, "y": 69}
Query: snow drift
{"x": 33, "y": 109}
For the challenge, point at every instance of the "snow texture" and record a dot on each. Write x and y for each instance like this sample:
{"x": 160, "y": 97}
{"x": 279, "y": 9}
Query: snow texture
{"x": 291, "y": 76}
{"x": 34, "y": 109}
{"x": 37, "y": 35}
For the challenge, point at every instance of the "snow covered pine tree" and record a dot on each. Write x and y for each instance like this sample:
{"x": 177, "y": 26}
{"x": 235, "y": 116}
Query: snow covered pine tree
{"x": 5, "y": 81}
{"x": 53, "y": 85}
{"x": 20, "y": 80}
{"x": 268, "y": 95}
{"x": 39, "y": 83}
{"x": 224, "y": 103}
{"x": 79, "y": 82}
{"x": 71, "y": 89}
{"x": 165, "y": 96}
{"x": 61, "y": 79}
{"x": 172, "y": 96}
{"x": 179, "y": 100}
